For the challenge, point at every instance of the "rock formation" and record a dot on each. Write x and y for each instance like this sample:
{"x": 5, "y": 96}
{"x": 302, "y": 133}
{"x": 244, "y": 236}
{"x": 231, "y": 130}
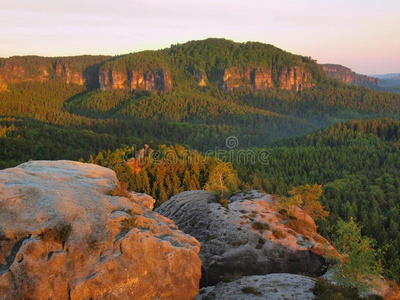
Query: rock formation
{"x": 63, "y": 236}
{"x": 289, "y": 78}
{"x": 348, "y": 76}
{"x": 272, "y": 287}
{"x": 201, "y": 77}
{"x": 246, "y": 235}
{"x": 158, "y": 79}
{"x": 294, "y": 77}
{"x": 77, "y": 70}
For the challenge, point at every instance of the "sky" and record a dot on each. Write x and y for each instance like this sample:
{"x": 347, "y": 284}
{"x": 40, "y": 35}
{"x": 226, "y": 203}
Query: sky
{"x": 361, "y": 34}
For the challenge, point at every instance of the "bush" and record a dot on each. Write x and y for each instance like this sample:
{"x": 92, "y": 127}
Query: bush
{"x": 121, "y": 191}
{"x": 250, "y": 290}
{"x": 324, "y": 290}
{"x": 279, "y": 234}
{"x": 130, "y": 222}
{"x": 260, "y": 226}
{"x": 57, "y": 234}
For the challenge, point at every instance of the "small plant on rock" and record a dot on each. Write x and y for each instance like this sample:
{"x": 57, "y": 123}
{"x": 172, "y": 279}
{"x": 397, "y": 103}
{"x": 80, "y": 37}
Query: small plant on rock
{"x": 58, "y": 234}
{"x": 279, "y": 234}
{"x": 260, "y": 226}
{"x": 130, "y": 222}
{"x": 121, "y": 190}
{"x": 251, "y": 290}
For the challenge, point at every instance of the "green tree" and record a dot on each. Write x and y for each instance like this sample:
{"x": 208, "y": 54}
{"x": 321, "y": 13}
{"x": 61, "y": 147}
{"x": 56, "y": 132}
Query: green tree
{"x": 222, "y": 180}
{"x": 356, "y": 264}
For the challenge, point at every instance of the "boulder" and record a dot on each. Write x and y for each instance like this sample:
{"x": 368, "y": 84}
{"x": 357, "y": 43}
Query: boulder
{"x": 272, "y": 287}
{"x": 247, "y": 235}
{"x": 63, "y": 236}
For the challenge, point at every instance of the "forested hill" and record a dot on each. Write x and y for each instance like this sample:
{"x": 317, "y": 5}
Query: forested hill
{"x": 347, "y": 133}
{"x": 220, "y": 62}
{"x": 196, "y": 94}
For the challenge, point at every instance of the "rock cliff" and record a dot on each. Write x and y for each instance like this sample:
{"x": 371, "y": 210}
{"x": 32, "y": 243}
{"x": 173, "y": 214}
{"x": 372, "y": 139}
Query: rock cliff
{"x": 348, "y": 76}
{"x": 288, "y": 78}
{"x": 246, "y": 236}
{"x": 157, "y": 79}
{"x": 81, "y": 70}
{"x": 64, "y": 236}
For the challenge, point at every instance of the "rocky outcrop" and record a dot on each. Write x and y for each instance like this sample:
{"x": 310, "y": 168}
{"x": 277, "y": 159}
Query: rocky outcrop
{"x": 348, "y": 76}
{"x": 261, "y": 79}
{"x": 272, "y": 287}
{"x": 246, "y": 235}
{"x": 76, "y": 70}
{"x": 158, "y": 79}
{"x": 201, "y": 77}
{"x": 294, "y": 78}
{"x": 63, "y": 236}
{"x": 64, "y": 72}
{"x": 289, "y": 78}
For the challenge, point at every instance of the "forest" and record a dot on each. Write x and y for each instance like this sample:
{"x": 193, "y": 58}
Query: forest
{"x": 342, "y": 137}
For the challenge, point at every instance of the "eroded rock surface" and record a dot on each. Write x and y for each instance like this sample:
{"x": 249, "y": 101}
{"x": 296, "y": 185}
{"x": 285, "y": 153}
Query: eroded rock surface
{"x": 248, "y": 236}
{"x": 63, "y": 236}
{"x": 272, "y": 287}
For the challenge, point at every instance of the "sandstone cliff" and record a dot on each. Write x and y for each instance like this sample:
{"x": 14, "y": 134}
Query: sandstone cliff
{"x": 248, "y": 236}
{"x": 288, "y": 78}
{"x": 81, "y": 70}
{"x": 64, "y": 236}
{"x": 157, "y": 79}
{"x": 348, "y": 76}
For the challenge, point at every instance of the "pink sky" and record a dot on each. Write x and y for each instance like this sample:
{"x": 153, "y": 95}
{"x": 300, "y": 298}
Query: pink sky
{"x": 361, "y": 34}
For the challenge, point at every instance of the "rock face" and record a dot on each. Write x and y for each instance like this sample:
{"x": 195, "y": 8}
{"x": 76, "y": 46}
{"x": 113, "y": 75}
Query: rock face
{"x": 158, "y": 79}
{"x": 348, "y": 76}
{"x": 294, "y": 77}
{"x": 63, "y": 236}
{"x": 77, "y": 70}
{"x": 201, "y": 77}
{"x": 289, "y": 78}
{"x": 248, "y": 237}
{"x": 272, "y": 287}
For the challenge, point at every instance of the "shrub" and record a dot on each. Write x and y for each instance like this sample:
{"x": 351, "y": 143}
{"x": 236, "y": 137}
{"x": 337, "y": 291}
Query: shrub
{"x": 250, "y": 290}
{"x": 130, "y": 222}
{"x": 57, "y": 234}
{"x": 260, "y": 226}
{"x": 261, "y": 242}
{"x": 121, "y": 190}
{"x": 324, "y": 290}
{"x": 279, "y": 234}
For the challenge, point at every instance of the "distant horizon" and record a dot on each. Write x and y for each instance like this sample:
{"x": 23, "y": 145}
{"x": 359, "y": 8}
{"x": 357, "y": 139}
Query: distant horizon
{"x": 362, "y": 35}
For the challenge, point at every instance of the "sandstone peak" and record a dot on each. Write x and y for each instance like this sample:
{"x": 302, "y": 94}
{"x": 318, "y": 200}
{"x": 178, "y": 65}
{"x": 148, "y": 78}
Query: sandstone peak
{"x": 246, "y": 234}
{"x": 63, "y": 236}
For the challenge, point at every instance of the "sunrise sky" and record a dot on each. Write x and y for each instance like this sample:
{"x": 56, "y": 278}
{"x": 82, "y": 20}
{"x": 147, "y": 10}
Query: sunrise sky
{"x": 361, "y": 34}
